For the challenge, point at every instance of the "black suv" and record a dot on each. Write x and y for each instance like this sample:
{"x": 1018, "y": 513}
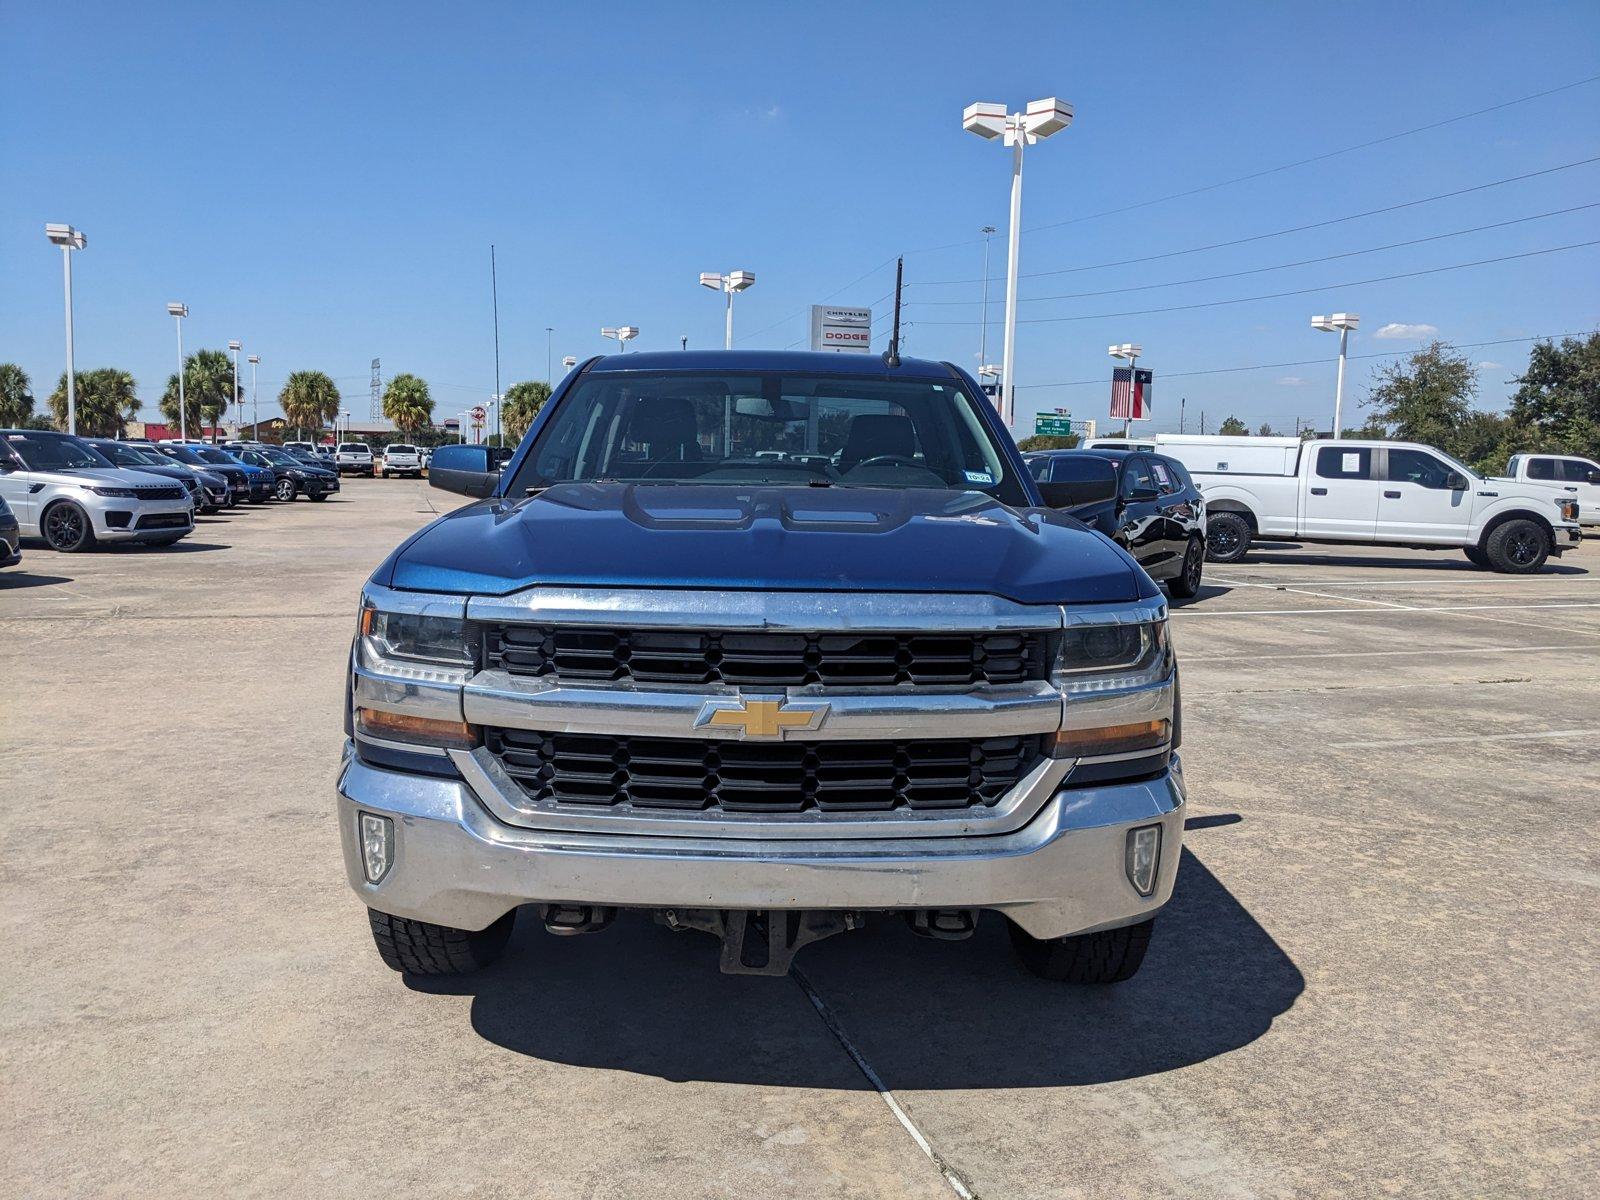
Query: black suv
{"x": 1157, "y": 515}
{"x": 292, "y": 476}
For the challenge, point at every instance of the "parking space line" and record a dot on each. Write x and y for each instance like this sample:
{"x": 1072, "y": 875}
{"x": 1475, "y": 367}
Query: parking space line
{"x": 954, "y": 1178}
{"x": 1483, "y": 737}
{"x": 1350, "y": 612}
{"x": 1280, "y": 587}
{"x": 1450, "y": 650}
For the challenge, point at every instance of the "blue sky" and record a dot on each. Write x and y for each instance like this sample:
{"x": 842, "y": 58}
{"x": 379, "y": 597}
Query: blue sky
{"x": 324, "y": 181}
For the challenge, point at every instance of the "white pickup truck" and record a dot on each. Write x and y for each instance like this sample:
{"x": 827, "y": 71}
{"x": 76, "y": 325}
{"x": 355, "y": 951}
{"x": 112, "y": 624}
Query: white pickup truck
{"x": 1377, "y": 492}
{"x": 1576, "y": 476}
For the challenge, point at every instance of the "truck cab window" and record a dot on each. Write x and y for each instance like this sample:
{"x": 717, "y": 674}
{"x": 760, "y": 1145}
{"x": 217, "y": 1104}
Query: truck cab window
{"x": 1335, "y": 462}
{"x": 1541, "y": 468}
{"x": 1575, "y": 470}
{"x": 1413, "y": 466}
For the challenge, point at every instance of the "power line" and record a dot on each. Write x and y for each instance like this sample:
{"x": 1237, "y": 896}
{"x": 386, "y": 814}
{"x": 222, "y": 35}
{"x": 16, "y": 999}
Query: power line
{"x": 1304, "y": 362}
{"x": 1145, "y": 312}
{"x": 1289, "y": 166}
{"x": 1304, "y": 262}
{"x": 1261, "y": 237}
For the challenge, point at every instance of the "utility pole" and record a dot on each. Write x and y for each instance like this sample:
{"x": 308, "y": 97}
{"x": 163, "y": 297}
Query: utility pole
{"x": 1182, "y": 400}
{"x": 549, "y": 354}
{"x": 494, "y": 291}
{"x": 983, "y": 336}
{"x": 1202, "y": 422}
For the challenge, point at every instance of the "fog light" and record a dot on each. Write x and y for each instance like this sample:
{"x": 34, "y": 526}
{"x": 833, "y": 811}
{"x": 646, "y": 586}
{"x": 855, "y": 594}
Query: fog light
{"x": 377, "y": 845}
{"x": 1143, "y": 858}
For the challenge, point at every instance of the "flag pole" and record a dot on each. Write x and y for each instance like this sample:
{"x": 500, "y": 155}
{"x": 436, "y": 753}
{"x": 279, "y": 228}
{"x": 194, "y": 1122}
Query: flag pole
{"x": 1133, "y": 382}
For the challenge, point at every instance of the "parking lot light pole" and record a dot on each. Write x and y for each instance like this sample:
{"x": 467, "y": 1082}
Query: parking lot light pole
{"x": 255, "y": 400}
{"x": 983, "y": 329}
{"x": 178, "y": 313}
{"x": 729, "y": 283}
{"x": 1343, "y": 323}
{"x": 549, "y": 354}
{"x": 69, "y": 239}
{"x": 569, "y": 362}
{"x": 623, "y": 334}
{"x": 233, "y": 399}
{"x": 1041, "y": 119}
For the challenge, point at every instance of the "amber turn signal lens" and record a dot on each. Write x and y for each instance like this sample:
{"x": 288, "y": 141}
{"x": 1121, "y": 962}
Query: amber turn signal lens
{"x": 1111, "y": 739}
{"x": 402, "y": 727}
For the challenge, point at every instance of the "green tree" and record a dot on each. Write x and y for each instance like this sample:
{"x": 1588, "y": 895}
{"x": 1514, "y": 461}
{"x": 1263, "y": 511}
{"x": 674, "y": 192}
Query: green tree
{"x": 1266, "y": 430}
{"x": 1556, "y": 406}
{"x": 1425, "y": 398}
{"x": 1233, "y": 427}
{"x": 309, "y": 399}
{"x": 16, "y": 396}
{"x": 105, "y": 398}
{"x": 520, "y": 406}
{"x": 1048, "y": 441}
{"x": 407, "y": 403}
{"x": 207, "y": 390}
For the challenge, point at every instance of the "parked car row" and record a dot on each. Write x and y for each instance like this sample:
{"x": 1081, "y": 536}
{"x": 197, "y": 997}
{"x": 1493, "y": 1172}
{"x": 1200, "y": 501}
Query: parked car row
{"x": 73, "y": 493}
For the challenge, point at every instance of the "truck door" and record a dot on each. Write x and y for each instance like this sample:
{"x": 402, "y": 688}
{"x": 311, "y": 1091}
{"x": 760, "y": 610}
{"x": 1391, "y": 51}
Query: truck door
{"x": 1421, "y": 498}
{"x": 1340, "y": 497}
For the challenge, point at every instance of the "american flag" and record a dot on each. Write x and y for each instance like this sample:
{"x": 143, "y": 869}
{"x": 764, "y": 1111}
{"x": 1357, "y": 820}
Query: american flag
{"x": 1137, "y": 406}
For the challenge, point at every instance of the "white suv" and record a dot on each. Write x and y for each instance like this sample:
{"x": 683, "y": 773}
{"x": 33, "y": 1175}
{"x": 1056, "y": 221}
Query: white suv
{"x": 402, "y": 458}
{"x": 354, "y": 458}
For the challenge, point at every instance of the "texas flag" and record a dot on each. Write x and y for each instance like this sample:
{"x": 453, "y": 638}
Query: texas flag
{"x": 1130, "y": 393}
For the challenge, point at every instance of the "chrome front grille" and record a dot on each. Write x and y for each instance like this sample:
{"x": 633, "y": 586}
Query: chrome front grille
{"x": 766, "y": 659}
{"x": 694, "y": 775}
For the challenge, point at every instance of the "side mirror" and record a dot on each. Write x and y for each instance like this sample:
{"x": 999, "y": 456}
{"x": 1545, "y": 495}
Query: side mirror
{"x": 1455, "y": 481}
{"x": 465, "y": 470}
{"x": 1097, "y": 484}
{"x": 1594, "y": 477}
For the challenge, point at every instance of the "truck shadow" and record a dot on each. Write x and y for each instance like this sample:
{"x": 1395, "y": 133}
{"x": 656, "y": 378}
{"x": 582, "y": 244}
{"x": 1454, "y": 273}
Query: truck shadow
{"x": 927, "y": 1015}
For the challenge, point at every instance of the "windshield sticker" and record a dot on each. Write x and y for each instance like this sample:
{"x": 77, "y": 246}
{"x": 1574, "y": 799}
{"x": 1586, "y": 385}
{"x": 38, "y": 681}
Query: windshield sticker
{"x": 979, "y": 477}
{"x": 1352, "y": 462}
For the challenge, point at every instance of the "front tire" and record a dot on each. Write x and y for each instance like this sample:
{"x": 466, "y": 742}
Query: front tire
{"x": 1187, "y": 583}
{"x": 284, "y": 489}
{"x": 1109, "y": 956}
{"x": 422, "y": 948}
{"x": 318, "y": 495}
{"x": 1228, "y": 537}
{"x": 1519, "y": 547}
{"x": 66, "y": 528}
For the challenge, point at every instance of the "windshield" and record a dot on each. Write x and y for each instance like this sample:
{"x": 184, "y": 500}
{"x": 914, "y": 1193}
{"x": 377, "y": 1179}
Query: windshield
{"x": 280, "y": 457}
{"x": 216, "y": 456}
{"x": 184, "y": 455}
{"x": 353, "y": 448}
{"x": 43, "y": 452}
{"x": 397, "y": 448}
{"x": 131, "y": 456}
{"x": 741, "y": 429}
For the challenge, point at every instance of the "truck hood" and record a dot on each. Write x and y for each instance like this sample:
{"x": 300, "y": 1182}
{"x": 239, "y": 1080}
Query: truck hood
{"x": 766, "y": 538}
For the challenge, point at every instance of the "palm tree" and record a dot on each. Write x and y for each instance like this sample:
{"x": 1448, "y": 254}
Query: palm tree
{"x": 207, "y": 389}
{"x": 106, "y": 400}
{"x": 521, "y": 405}
{"x": 309, "y": 399}
{"x": 407, "y": 403}
{"x": 16, "y": 395}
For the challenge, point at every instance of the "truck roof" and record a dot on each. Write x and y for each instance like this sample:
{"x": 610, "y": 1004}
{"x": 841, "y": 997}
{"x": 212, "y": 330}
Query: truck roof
{"x": 799, "y": 361}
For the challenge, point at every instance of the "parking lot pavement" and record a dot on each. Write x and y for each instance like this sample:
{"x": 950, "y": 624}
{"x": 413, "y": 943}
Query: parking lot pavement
{"x": 1377, "y": 975}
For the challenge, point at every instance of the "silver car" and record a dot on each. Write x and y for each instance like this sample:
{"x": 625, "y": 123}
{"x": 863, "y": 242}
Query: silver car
{"x": 70, "y": 495}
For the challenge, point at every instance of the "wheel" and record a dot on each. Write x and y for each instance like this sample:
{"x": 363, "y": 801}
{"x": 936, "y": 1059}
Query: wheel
{"x": 66, "y": 527}
{"x": 1110, "y": 956}
{"x": 1187, "y": 582}
{"x": 1519, "y": 547}
{"x": 284, "y": 489}
{"x": 318, "y": 495}
{"x": 1228, "y": 536}
{"x": 1476, "y": 557}
{"x": 421, "y": 948}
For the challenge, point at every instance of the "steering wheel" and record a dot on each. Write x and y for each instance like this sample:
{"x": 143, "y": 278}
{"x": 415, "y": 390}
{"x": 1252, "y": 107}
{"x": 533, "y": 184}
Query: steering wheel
{"x": 897, "y": 460}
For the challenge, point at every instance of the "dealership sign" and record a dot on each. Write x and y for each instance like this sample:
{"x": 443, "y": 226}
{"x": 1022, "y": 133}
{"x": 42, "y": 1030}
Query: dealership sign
{"x": 841, "y": 329}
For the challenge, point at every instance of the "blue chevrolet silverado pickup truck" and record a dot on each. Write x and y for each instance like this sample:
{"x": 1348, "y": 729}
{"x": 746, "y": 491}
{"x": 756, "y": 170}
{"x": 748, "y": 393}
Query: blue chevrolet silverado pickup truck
{"x": 766, "y": 645}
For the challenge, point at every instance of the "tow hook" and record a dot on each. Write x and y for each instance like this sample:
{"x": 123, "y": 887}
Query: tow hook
{"x": 943, "y": 924}
{"x": 569, "y": 920}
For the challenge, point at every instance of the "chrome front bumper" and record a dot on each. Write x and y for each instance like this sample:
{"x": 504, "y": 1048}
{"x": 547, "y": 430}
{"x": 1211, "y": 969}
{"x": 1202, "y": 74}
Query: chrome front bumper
{"x": 456, "y": 864}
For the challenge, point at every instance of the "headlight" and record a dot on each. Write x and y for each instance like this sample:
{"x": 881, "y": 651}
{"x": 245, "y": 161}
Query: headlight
{"x": 418, "y": 634}
{"x": 121, "y": 493}
{"x": 1116, "y": 672}
{"x": 296, "y": 473}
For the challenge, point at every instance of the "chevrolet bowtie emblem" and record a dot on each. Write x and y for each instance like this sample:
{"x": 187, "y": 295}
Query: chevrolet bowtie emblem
{"x": 762, "y": 718}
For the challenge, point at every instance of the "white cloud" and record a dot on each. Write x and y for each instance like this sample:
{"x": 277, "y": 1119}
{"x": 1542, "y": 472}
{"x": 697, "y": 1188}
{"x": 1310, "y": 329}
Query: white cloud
{"x": 1491, "y": 366}
{"x": 1395, "y": 331}
{"x": 1292, "y": 381}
